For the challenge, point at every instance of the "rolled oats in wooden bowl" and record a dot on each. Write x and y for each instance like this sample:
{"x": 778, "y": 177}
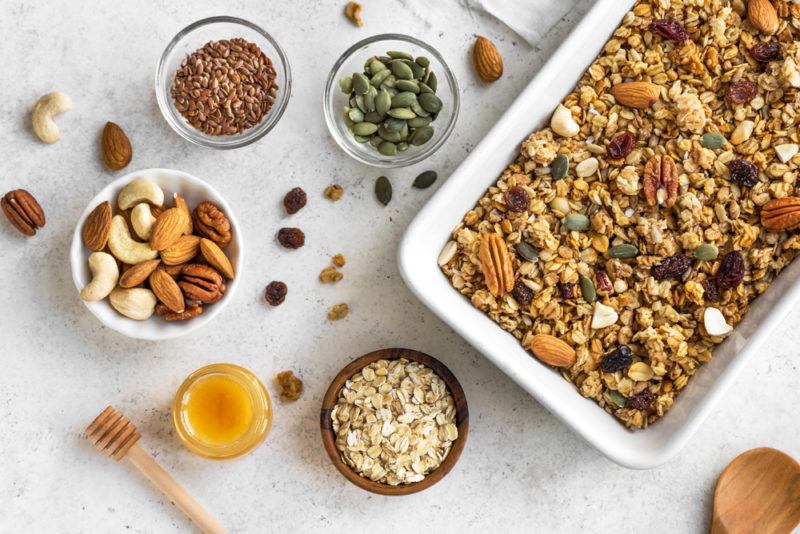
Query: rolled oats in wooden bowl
{"x": 629, "y": 238}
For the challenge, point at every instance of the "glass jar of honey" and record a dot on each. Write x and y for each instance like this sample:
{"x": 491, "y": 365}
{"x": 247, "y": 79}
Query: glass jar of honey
{"x": 222, "y": 411}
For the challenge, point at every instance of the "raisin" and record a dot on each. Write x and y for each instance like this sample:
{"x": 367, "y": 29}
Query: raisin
{"x": 710, "y": 290}
{"x": 275, "y": 293}
{"x": 294, "y": 200}
{"x": 672, "y": 267}
{"x": 522, "y": 293}
{"x": 617, "y": 360}
{"x": 766, "y": 51}
{"x": 731, "y": 270}
{"x": 743, "y": 172}
{"x": 291, "y": 237}
{"x": 669, "y": 29}
{"x": 517, "y": 199}
{"x": 567, "y": 290}
{"x": 741, "y": 91}
{"x": 641, "y": 401}
{"x": 621, "y": 146}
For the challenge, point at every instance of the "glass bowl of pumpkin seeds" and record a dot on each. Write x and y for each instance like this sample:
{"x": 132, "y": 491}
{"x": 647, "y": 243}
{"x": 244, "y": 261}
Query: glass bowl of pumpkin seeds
{"x": 391, "y": 101}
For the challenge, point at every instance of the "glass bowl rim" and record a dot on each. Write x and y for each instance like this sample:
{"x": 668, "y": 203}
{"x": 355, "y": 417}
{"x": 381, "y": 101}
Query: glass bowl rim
{"x": 258, "y": 131}
{"x": 377, "y": 161}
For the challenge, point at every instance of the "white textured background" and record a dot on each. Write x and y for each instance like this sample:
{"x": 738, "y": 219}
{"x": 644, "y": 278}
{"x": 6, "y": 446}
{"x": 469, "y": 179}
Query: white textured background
{"x": 521, "y": 471}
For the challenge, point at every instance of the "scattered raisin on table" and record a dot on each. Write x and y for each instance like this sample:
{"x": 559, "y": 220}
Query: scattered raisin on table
{"x": 731, "y": 270}
{"x": 275, "y": 293}
{"x": 669, "y": 29}
{"x": 617, "y": 360}
{"x": 710, "y": 290}
{"x": 621, "y": 145}
{"x": 291, "y": 237}
{"x": 294, "y": 200}
{"x": 672, "y": 267}
{"x": 741, "y": 92}
{"x": 522, "y": 293}
{"x": 566, "y": 290}
{"x": 766, "y": 51}
{"x": 291, "y": 385}
{"x": 517, "y": 199}
{"x": 743, "y": 172}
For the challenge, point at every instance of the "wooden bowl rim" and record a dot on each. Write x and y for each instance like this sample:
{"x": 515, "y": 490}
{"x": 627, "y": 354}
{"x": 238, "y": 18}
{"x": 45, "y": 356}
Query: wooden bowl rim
{"x": 332, "y": 394}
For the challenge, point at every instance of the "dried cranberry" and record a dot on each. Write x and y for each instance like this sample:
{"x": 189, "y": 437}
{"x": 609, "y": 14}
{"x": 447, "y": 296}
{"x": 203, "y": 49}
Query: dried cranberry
{"x": 602, "y": 283}
{"x": 741, "y": 91}
{"x": 522, "y": 293}
{"x": 294, "y": 200}
{"x": 669, "y": 29}
{"x": 566, "y": 290}
{"x": 641, "y": 401}
{"x": 275, "y": 293}
{"x": 291, "y": 237}
{"x": 710, "y": 290}
{"x": 731, "y": 270}
{"x": 517, "y": 199}
{"x": 766, "y": 51}
{"x": 617, "y": 360}
{"x": 743, "y": 172}
{"x": 621, "y": 146}
{"x": 672, "y": 267}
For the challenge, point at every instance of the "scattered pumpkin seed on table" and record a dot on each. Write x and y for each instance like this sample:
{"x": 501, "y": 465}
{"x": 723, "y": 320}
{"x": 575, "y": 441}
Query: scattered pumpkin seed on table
{"x": 393, "y": 103}
{"x": 425, "y": 180}
{"x": 383, "y": 190}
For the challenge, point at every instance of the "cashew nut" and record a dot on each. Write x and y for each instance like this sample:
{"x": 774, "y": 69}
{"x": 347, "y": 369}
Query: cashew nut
{"x": 42, "y": 117}
{"x": 122, "y": 245}
{"x": 562, "y": 122}
{"x": 105, "y": 274}
{"x": 142, "y": 220}
{"x": 140, "y": 190}
{"x": 137, "y": 303}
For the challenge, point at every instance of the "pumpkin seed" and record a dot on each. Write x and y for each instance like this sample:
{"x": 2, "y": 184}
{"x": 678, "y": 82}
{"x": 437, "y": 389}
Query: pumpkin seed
{"x": 386, "y": 135}
{"x": 422, "y": 61}
{"x": 575, "y": 221}
{"x": 560, "y": 167}
{"x": 706, "y": 252}
{"x": 365, "y": 128}
{"x": 416, "y": 69}
{"x": 360, "y": 83}
{"x": 404, "y": 99}
{"x": 395, "y": 54}
{"x": 587, "y": 289}
{"x": 368, "y": 61}
{"x": 425, "y": 180}
{"x": 394, "y": 125}
{"x": 387, "y": 148}
{"x": 416, "y": 108}
{"x": 383, "y": 190}
{"x": 421, "y": 135}
{"x": 430, "y": 80}
{"x": 356, "y": 115}
{"x": 430, "y": 102}
{"x": 383, "y": 102}
{"x": 402, "y": 147}
{"x": 416, "y": 122}
{"x": 369, "y": 98}
{"x": 401, "y": 70}
{"x": 617, "y": 399}
{"x": 712, "y": 140}
{"x": 378, "y": 78}
{"x": 375, "y": 140}
{"x": 624, "y": 251}
{"x": 346, "y": 84}
{"x": 527, "y": 251}
{"x": 373, "y": 117}
{"x": 389, "y": 81}
{"x": 401, "y": 113}
{"x": 423, "y": 88}
{"x": 360, "y": 103}
{"x": 407, "y": 85}
{"x": 375, "y": 66}
{"x": 360, "y": 139}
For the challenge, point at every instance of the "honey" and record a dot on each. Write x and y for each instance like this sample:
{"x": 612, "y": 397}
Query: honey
{"x": 222, "y": 411}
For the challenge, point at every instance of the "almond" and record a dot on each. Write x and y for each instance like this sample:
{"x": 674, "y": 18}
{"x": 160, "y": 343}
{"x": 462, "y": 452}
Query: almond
{"x": 487, "y": 60}
{"x": 552, "y": 351}
{"x": 181, "y": 251}
{"x": 117, "y": 150}
{"x": 167, "y": 291}
{"x": 179, "y": 202}
{"x": 168, "y": 228}
{"x": 636, "y": 94}
{"x": 763, "y": 16}
{"x": 781, "y": 214}
{"x": 97, "y": 227}
{"x": 216, "y": 258}
{"x": 136, "y": 274}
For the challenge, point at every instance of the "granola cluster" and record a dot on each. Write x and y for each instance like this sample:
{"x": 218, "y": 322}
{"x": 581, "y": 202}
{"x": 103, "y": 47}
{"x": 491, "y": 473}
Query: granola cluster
{"x": 672, "y": 255}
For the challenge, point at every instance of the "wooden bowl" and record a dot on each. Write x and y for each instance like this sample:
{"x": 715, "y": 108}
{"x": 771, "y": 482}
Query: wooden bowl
{"x": 329, "y": 436}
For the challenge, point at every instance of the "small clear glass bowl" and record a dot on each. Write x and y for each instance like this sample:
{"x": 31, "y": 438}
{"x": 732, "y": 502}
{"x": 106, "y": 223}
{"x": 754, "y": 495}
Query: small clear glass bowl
{"x": 195, "y": 36}
{"x": 353, "y": 61}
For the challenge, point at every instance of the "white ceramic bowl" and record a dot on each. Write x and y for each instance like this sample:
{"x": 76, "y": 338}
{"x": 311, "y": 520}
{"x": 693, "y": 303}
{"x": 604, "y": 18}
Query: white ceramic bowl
{"x": 431, "y": 229}
{"x": 194, "y": 190}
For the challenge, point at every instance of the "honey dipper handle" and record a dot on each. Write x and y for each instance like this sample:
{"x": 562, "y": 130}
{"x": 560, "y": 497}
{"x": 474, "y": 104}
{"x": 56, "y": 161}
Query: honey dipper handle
{"x": 176, "y": 493}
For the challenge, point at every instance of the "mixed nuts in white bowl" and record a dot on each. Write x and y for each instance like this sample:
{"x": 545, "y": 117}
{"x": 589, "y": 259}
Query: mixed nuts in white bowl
{"x": 156, "y": 254}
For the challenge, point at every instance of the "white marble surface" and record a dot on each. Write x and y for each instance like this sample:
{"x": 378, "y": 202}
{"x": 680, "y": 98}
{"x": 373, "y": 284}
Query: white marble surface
{"x": 521, "y": 470}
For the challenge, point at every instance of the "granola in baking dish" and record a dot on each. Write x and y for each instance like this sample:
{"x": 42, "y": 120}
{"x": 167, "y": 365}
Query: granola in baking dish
{"x": 629, "y": 237}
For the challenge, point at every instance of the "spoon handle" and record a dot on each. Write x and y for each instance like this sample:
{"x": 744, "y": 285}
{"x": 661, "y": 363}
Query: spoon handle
{"x": 176, "y": 493}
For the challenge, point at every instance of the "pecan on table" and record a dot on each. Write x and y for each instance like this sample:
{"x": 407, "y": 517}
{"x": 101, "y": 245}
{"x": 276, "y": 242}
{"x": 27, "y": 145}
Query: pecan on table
{"x": 661, "y": 181}
{"x": 202, "y": 283}
{"x": 23, "y": 211}
{"x": 210, "y": 221}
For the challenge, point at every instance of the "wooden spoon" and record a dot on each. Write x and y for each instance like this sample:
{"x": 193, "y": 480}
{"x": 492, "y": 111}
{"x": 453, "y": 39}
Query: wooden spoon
{"x": 758, "y": 493}
{"x": 114, "y": 434}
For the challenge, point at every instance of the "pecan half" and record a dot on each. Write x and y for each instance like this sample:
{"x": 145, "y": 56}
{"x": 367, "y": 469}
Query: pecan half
{"x": 193, "y": 309}
{"x": 210, "y": 221}
{"x": 23, "y": 211}
{"x": 496, "y": 264}
{"x": 661, "y": 181}
{"x": 201, "y": 282}
{"x": 781, "y": 214}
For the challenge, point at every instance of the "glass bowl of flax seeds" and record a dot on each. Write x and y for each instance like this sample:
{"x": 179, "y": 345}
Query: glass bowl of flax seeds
{"x": 223, "y": 82}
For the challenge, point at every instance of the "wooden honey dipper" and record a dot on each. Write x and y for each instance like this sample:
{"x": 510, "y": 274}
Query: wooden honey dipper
{"x": 114, "y": 435}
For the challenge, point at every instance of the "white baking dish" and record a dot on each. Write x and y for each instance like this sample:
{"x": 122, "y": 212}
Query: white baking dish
{"x": 431, "y": 229}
